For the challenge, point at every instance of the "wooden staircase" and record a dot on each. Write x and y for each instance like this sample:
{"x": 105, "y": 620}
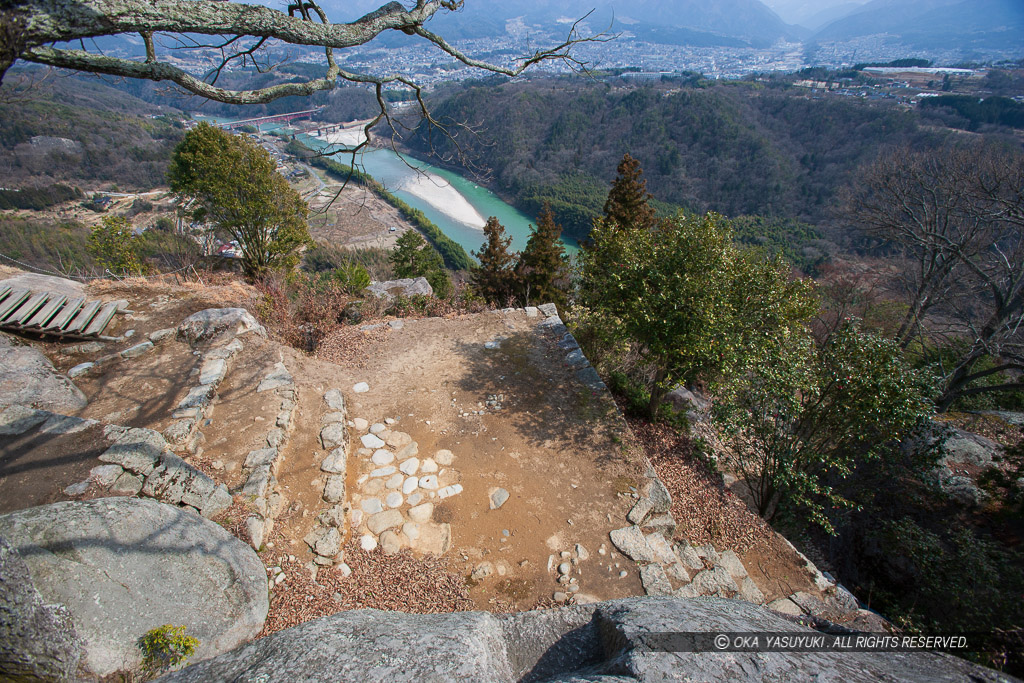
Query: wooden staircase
{"x": 56, "y": 315}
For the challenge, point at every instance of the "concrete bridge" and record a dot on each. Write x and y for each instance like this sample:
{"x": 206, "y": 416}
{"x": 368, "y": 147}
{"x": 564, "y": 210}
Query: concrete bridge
{"x": 278, "y": 118}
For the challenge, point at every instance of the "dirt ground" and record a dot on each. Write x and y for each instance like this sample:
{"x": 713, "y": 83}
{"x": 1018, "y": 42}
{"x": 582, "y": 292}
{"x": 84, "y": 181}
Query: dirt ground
{"x": 355, "y": 218}
{"x": 554, "y": 445}
{"x": 348, "y": 215}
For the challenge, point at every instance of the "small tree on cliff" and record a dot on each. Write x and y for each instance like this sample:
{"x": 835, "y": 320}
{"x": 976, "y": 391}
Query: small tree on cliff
{"x": 627, "y": 204}
{"x": 543, "y": 269}
{"x": 236, "y": 187}
{"x": 495, "y": 277}
{"x": 804, "y": 417}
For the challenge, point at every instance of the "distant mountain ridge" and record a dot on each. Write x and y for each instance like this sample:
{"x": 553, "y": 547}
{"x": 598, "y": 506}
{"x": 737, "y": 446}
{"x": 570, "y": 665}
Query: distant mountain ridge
{"x": 735, "y": 22}
{"x": 934, "y": 23}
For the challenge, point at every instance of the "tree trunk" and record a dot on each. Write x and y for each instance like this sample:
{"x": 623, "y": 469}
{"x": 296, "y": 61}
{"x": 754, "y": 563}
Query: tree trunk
{"x": 658, "y": 392}
{"x": 12, "y": 28}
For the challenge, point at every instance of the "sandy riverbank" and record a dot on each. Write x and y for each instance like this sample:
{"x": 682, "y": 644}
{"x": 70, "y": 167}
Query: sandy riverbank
{"x": 439, "y": 193}
{"x": 346, "y": 137}
{"x": 429, "y": 187}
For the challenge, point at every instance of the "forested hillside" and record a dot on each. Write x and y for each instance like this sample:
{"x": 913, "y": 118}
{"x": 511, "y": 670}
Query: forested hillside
{"x": 122, "y": 131}
{"x": 344, "y": 103}
{"x": 737, "y": 148}
{"x": 83, "y": 131}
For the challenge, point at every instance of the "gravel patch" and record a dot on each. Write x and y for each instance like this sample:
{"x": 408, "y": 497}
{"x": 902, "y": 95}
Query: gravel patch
{"x": 398, "y": 582}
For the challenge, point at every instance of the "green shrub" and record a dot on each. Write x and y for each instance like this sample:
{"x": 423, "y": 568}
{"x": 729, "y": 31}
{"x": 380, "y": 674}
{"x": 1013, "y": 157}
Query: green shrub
{"x": 166, "y": 647}
{"x": 352, "y": 277}
{"x": 115, "y": 247}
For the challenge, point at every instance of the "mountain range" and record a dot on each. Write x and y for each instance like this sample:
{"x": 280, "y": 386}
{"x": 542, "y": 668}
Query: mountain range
{"x": 920, "y": 24}
{"x": 975, "y": 28}
{"x": 924, "y": 24}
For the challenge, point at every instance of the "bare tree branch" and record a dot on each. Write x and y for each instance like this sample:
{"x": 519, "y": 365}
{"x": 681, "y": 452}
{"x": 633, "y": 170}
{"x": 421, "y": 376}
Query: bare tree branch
{"x": 957, "y": 219}
{"x": 29, "y": 29}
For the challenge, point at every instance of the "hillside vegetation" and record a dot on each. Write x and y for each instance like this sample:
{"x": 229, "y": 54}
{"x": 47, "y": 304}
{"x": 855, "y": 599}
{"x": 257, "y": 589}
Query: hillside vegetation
{"x": 83, "y": 132}
{"x": 736, "y": 148}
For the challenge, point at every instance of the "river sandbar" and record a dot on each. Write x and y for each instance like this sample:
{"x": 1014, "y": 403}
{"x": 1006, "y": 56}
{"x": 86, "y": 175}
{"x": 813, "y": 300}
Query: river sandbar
{"x": 346, "y": 137}
{"x": 439, "y": 193}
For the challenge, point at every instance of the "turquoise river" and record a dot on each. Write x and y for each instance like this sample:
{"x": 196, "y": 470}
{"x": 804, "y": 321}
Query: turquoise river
{"x": 394, "y": 173}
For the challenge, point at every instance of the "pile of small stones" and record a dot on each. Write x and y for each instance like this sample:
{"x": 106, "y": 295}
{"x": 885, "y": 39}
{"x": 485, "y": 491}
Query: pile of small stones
{"x": 393, "y": 506}
{"x": 565, "y": 565}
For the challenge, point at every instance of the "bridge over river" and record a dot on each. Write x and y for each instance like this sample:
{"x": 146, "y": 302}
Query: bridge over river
{"x": 277, "y": 118}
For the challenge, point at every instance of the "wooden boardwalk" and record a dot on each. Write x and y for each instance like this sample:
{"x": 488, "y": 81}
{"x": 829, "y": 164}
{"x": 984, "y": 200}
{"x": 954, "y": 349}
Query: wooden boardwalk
{"x": 52, "y": 314}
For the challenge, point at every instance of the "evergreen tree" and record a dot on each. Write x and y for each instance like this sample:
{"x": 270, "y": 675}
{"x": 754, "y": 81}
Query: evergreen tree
{"x": 627, "y": 204}
{"x": 543, "y": 269}
{"x": 694, "y": 307}
{"x": 413, "y": 257}
{"x": 495, "y": 277}
{"x": 237, "y": 189}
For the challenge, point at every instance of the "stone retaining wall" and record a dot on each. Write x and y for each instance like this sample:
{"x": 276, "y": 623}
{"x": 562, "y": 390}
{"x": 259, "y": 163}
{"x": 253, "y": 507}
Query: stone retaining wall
{"x": 648, "y": 540}
{"x": 138, "y": 462}
{"x": 262, "y": 464}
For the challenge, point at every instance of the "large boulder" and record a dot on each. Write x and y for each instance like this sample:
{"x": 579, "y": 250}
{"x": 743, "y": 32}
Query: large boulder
{"x": 610, "y": 641}
{"x": 37, "y": 641}
{"x": 215, "y": 322}
{"x": 368, "y": 646}
{"x": 1015, "y": 419}
{"x": 28, "y": 378}
{"x": 693, "y": 404}
{"x": 123, "y": 566}
{"x": 961, "y": 446}
{"x": 34, "y": 282}
{"x": 406, "y": 287}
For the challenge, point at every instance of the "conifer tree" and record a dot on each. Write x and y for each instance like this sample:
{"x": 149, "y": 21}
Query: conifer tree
{"x": 495, "y": 277}
{"x": 413, "y": 257}
{"x": 543, "y": 269}
{"x": 627, "y": 204}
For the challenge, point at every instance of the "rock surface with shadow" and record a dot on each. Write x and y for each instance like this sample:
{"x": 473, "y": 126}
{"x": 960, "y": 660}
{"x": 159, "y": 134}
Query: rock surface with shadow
{"x": 616, "y": 640}
{"x": 27, "y": 377}
{"x": 123, "y": 566}
{"x": 37, "y": 641}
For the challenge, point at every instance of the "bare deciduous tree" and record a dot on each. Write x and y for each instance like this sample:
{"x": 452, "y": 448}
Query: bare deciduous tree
{"x": 29, "y": 30}
{"x": 956, "y": 219}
